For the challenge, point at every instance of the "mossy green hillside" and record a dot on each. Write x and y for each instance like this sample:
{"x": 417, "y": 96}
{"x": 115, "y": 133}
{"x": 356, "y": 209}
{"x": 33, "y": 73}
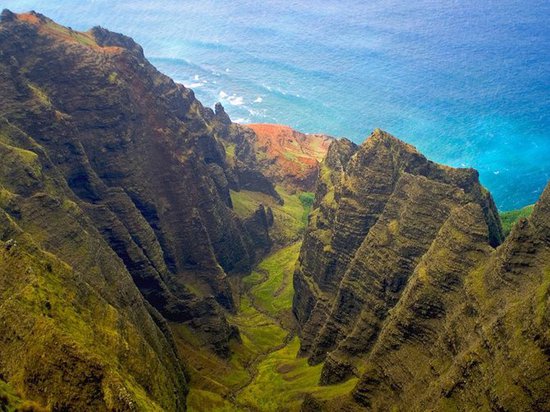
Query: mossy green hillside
{"x": 69, "y": 319}
{"x": 510, "y": 218}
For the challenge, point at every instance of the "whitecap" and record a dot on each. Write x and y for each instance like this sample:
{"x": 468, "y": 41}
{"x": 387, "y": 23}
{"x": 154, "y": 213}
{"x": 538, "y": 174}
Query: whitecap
{"x": 194, "y": 85}
{"x": 258, "y": 100}
{"x": 256, "y": 113}
{"x": 196, "y": 77}
{"x": 235, "y": 100}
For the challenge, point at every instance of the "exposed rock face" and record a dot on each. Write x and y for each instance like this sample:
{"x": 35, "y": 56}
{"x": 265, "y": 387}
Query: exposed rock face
{"x": 472, "y": 325}
{"x": 258, "y": 226}
{"x": 112, "y": 176}
{"x": 246, "y": 167}
{"x": 288, "y": 157}
{"x": 397, "y": 269}
{"x": 379, "y": 207}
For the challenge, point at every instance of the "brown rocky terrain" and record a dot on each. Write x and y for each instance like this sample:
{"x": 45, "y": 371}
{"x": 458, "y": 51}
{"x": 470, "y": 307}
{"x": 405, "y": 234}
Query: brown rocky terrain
{"x": 399, "y": 282}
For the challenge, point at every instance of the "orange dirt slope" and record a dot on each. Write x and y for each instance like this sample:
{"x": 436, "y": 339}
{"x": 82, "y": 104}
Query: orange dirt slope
{"x": 290, "y": 157}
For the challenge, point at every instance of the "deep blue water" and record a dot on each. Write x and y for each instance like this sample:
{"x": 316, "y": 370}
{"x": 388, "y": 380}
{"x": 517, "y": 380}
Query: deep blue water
{"x": 467, "y": 82}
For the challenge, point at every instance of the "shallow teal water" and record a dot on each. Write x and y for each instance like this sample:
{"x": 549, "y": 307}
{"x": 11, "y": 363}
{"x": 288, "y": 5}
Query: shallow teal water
{"x": 467, "y": 82}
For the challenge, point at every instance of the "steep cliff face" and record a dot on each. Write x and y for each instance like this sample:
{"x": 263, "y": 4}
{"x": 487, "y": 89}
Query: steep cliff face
{"x": 242, "y": 156}
{"x": 111, "y": 177}
{"x": 472, "y": 324}
{"x": 379, "y": 208}
{"x": 399, "y": 283}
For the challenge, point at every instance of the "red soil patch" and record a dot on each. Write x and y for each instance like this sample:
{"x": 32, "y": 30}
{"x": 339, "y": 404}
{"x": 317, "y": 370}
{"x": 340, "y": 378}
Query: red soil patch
{"x": 293, "y": 156}
{"x": 29, "y": 18}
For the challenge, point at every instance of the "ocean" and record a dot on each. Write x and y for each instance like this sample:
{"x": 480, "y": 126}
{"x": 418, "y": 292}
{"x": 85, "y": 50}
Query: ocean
{"x": 467, "y": 82}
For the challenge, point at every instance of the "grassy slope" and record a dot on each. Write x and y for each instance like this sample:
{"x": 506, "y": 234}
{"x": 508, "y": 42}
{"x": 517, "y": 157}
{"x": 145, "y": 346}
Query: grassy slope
{"x": 283, "y": 379}
{"x": 510, "y": 218}
{"x": 10, "y": 401}
{"x": 271, "y": 283}
{"x": 290, "y": 219}
{"x": 264, "y": 372}
{"x": 50, "y": 301}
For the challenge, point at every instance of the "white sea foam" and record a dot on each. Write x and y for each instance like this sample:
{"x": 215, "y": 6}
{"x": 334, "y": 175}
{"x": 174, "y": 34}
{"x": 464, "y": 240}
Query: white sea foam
{"x": 258, "y": 100}
{"x": 233, "y": 99}
{"x": 257, "y": 113}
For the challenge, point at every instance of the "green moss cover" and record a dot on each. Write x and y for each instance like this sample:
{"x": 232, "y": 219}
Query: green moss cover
{"x": 510, "y": 218}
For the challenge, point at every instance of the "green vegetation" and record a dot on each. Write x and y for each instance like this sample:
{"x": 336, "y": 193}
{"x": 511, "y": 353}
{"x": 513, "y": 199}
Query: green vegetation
{"x": 48, "y": 298}
{"x": 113, "y": 78}
{"x": 230, "y": 151}
{"x": 85, "y": 39}
{"x": 264, "y": 372}
{"x": 290, "y": 219}
{"x": 307, "y": 199}
{"x": 259, "y": 332}
{"x": 9, "y": 401}
{"x": 40, "y": 95}
{"x": 203, "y": 400}
{"x": 284, "y": 379}
{"x": 510, "y": 218}
{"x": 271, "y": 283}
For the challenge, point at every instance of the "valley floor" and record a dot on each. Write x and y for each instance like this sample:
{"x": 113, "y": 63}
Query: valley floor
{"x": 264, "y": 373}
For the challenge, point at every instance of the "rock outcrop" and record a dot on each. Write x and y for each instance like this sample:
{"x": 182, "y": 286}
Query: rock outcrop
{"x": 242, "y": 157}
{"x": 395, "y": 282}
{"x": 113, "y": 181}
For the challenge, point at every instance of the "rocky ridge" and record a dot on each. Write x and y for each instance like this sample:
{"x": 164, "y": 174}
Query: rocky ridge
{"x": 114, "y": 189}
{"x": 395, "y": 279}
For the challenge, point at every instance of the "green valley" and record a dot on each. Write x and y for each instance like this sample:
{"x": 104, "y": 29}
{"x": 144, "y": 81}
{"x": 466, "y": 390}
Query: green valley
{"x": 264, "y": 371}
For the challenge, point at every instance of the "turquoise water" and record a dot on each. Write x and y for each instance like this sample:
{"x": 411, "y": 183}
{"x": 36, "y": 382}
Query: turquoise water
{"x": 467, "y": 82}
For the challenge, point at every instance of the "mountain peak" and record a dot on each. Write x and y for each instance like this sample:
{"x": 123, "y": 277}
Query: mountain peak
{"x": 379, "y": 136}
{"x": 7, "y": 15}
